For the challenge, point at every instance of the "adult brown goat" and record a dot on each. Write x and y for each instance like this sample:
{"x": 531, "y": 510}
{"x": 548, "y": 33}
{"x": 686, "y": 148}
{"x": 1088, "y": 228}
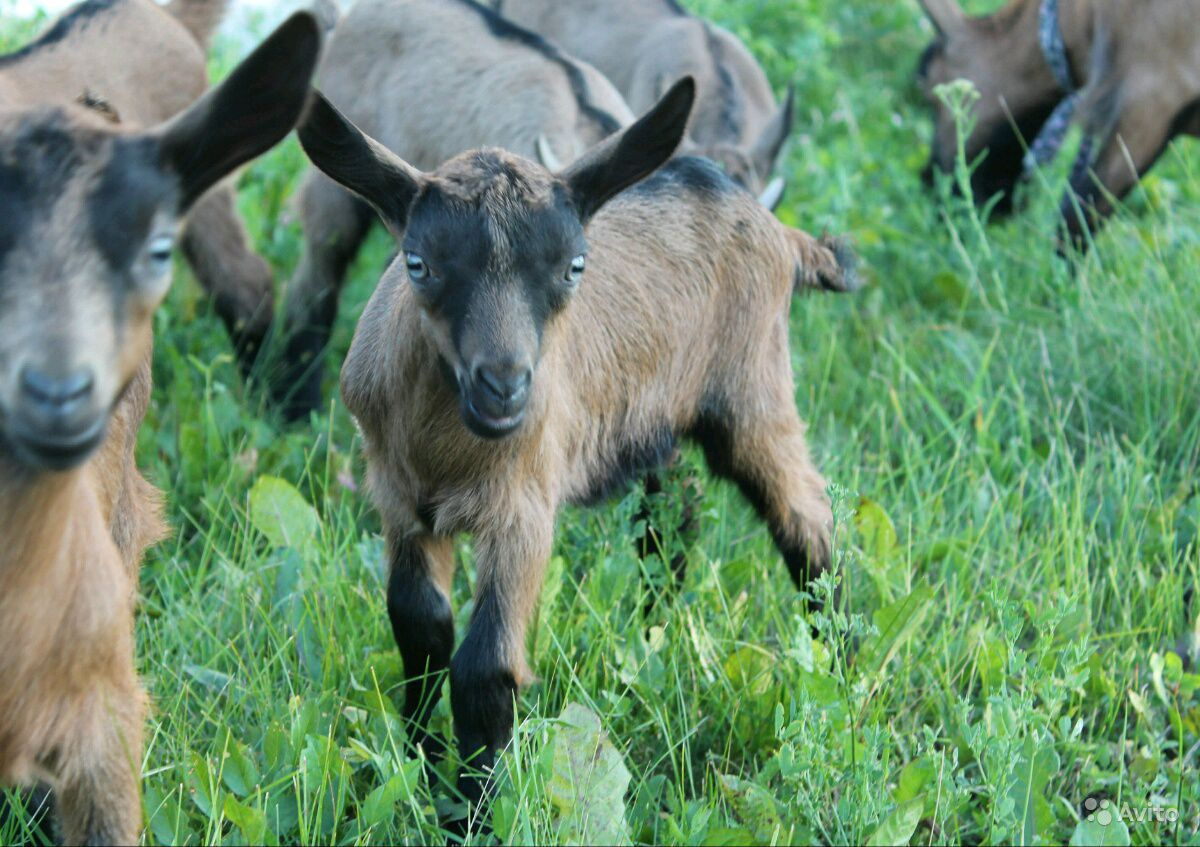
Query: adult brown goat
{"x": 644, "y": 45}
{"x": 1130, "y": 69}
{"x": 508, "y": 363}
{"x": 89, "y": 214}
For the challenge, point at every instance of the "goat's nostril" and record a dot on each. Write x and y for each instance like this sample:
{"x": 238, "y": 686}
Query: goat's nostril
{"x": 47, "y": 390}
{"x": 505, "y": 384}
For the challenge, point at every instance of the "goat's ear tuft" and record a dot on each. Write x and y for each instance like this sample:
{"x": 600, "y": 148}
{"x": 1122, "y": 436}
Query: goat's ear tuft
{"x": 632, "y": 154}
{"x": 247, "y": 114}
{"x": 352, "y": 158}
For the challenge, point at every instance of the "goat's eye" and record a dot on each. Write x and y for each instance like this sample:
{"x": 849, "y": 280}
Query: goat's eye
{"x": 418, "y": 271}
{"x": 575, "y": 272}
{"x": 160, "y": 249}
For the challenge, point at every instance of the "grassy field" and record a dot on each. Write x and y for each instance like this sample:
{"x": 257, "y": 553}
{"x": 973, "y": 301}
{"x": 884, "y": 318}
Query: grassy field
{"x": 1012, "y": 446}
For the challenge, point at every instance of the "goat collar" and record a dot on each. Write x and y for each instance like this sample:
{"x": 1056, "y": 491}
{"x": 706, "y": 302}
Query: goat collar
{"x": 1054, "y": 48}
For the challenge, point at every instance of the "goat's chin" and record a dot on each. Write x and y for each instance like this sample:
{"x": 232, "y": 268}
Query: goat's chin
{"x": 42, "y": 452}
{"x": 488, "y": 427}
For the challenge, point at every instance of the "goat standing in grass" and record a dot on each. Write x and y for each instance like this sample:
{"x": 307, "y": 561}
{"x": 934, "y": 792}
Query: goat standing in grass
{"x": 1126, "y": 71}
{"x": 429, "y": 79}
{"x": 645, "y": 45}
{"x": 89, "y": 216}
{"x": 508, "y": 363}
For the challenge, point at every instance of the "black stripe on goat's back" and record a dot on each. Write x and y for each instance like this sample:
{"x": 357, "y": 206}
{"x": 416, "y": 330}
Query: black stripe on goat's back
{"x": 502, "y": 28}
{"x": 62, "y": 28}
{"x": 693, "y": 175}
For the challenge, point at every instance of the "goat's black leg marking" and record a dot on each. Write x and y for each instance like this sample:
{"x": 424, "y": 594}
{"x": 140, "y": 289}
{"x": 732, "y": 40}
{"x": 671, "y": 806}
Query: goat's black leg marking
{"x": 769, "y": 462}
{"x": 423, "y": 626}
{"x": 335, "y": 223}
{"x": 482, "y": 690}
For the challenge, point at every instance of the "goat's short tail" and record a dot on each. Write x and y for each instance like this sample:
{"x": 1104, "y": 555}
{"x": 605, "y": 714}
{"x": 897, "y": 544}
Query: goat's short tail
{"x": 824, "y": 264}
{"x": 201, "y": 17}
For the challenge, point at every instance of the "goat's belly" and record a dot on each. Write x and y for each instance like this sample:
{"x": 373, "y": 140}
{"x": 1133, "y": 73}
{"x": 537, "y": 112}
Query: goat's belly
{"x": 623, "y": 465}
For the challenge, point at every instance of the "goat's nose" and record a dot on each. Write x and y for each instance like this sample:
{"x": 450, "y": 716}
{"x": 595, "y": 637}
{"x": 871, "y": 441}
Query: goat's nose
{"x": 56, "y": 394}
{"x": 506, "y": 382}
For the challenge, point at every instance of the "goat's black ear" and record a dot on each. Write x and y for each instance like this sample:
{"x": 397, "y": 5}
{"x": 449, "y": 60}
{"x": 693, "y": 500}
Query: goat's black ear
{"x": 633, "y": 154}
{"x": 352, "y": 158}
{"x": 247, "y": 114}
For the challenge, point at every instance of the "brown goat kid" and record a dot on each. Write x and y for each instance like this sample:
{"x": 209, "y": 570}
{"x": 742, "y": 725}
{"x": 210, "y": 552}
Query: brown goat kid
{"x": 1135, "y": 65}
{"x": 508, "y": 364}
{"x": 89, "y": 212}
{"x": 429, "y": 79}
{"x": 645, "y": 45}
{"x": 137, "y": 63}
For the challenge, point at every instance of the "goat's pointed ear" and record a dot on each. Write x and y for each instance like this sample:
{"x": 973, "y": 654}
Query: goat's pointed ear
{"x": 946, "y": 15}
{"x": 247, "y": 114}
{"x": 632, "y": 154}
{"x": 770, "y": 142}
{"x": 352, "y": 158}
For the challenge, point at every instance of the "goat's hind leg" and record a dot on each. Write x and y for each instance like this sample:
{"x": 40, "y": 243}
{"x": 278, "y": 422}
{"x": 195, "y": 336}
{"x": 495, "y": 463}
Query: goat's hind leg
{"x": 418, "y": 603}
{"x": 767, "y": 456}
{"x": 335, "y": 225}
{"x": 238, "y": 280}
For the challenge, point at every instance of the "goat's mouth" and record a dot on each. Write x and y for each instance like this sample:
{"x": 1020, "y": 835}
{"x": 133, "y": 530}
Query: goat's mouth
{"x": 55, "y": 450}
{"x": 491, "y": 426}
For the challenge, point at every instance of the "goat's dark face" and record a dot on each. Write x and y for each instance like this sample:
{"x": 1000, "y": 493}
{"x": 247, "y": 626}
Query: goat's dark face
{"x": 493, "y": 245}
{"x": 1016, "y": 96}
{"x": 87, "y": 227}
{"x": 493, "y": 250}
{"x": 89, "y": 215}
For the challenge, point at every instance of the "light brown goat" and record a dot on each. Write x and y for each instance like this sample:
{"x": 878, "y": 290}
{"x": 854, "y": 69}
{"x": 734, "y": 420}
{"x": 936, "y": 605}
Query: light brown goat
{"x": 645, "y": 45}
{"x": 429, "y": 79}
{"x": 135, "y": 62}
{"x": 89, "y": 211}
{"x": 1136, "y": 66}
{"x": 495, "y": 380}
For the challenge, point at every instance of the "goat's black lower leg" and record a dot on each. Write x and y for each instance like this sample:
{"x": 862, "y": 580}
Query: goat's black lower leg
{"x": 651, "y": 542}
{"x": 768, "y": 459}
{"x": 335, "y": 225}
{"x": 423, "y": 626}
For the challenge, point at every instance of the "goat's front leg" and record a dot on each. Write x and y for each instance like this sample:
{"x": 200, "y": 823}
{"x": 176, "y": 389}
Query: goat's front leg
{"x": 418, "y": 603}
{"x": 490, "y": 664}
{"x": 97, "y": 785}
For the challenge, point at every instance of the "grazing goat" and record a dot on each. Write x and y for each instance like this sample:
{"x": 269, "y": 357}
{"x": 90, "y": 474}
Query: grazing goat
{"x": 644, "y": 45}
{"x": 507, "y": 364}
{"x": 89, "y": 212}
{"x": 135, "y": 62}
{"x": 429, "y": 79}
{"x": 1126, "y": 71}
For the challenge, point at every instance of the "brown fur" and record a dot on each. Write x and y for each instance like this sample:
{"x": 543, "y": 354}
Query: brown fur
{"x": 1137, "y": 65}
{"x": 145, "y": 63}
{"x": 678, "y": 328}
{"x": 645, "y": 45}
{"x": 89, "y": 212}
{"x": 429, "y": 79}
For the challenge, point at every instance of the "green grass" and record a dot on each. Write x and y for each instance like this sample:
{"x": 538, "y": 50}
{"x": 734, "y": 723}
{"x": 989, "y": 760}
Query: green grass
{"x": 1012, "y": 447}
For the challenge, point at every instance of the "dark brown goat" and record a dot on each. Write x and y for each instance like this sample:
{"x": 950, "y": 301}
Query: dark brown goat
{"x": 1136, "y": 66}
{"x": 89, "y": 213}
{"x": 508, "y": 363}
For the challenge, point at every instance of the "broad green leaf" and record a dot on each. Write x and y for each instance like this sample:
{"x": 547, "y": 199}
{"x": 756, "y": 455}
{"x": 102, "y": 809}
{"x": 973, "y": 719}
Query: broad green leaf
{"x": 1093, "y": 833}
{"x": 588, "y": 782}
{"x": 281, "y": 513}
{"x": 917, "y": 777}
{"x": 1036, "y": 765}
{"x": 898, "y": 827}
{"x": 754, "y": 805}
{"x": 896, "y": 624}
{"x": 252, "y": 822}
{"x": 238, "y": 772}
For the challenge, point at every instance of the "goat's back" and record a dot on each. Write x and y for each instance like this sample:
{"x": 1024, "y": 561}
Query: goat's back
{"x": 131, "y": 55}
{"x": 433, "y": 78}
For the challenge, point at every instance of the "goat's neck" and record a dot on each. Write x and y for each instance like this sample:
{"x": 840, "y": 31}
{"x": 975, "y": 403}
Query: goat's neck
{"x": 37, "y": 515}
